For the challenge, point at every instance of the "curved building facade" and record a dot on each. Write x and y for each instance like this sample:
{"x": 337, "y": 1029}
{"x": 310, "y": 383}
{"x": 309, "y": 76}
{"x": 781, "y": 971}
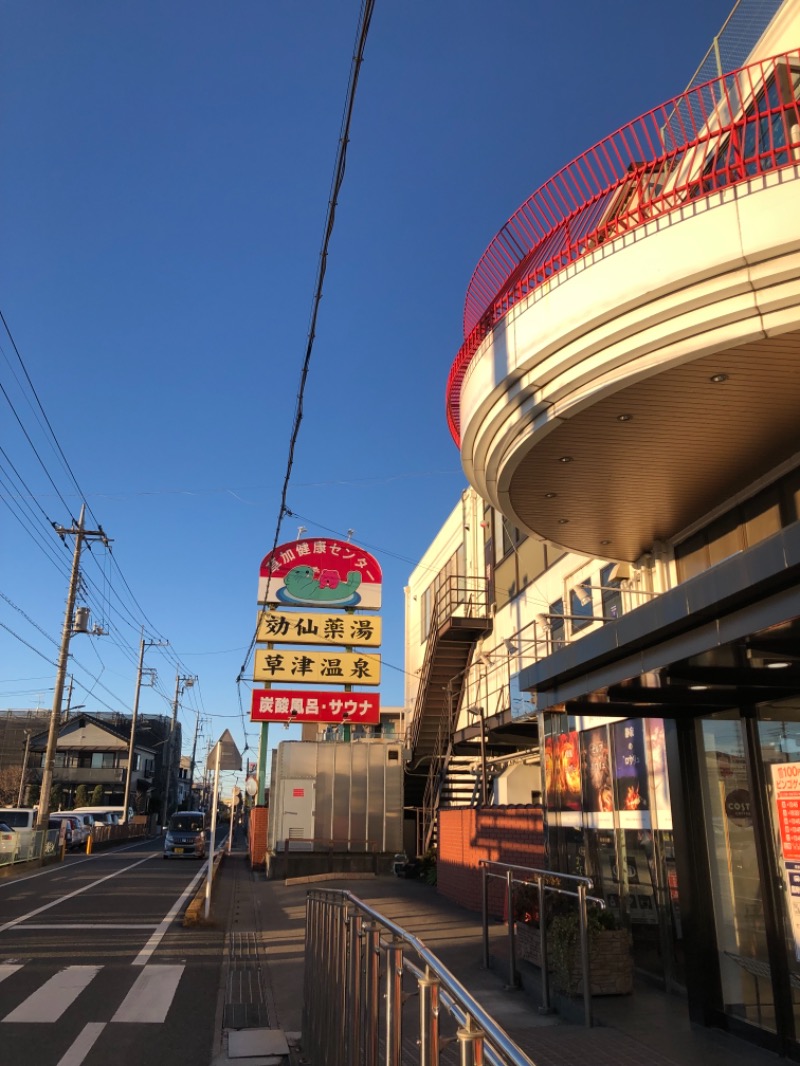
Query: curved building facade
{"x": 625, "y": 405}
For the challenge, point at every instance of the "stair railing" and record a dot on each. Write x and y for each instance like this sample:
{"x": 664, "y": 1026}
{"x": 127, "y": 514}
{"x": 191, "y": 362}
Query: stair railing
{"x": 362, "y": 988}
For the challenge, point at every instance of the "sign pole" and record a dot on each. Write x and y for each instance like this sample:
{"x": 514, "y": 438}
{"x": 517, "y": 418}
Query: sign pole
{"x": 261, "y": 795}
{"x": 234, "y": 797}
{"x": 213, "y": 834}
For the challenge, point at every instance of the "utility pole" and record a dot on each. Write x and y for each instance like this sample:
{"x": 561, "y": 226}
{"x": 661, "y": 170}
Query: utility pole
{"x": 191, "y": 765}
{"x": 181, "y": 683}
{"x": 24, "y": 768}
{"x": 80, "y": 535}
{"x": 134, "y": 715}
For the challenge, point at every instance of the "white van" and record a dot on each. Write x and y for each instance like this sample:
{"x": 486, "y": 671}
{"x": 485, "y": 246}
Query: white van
{"x": 23, "y": 821}
{"x": 104, "y": 815}
{"x": 19, "y": 817}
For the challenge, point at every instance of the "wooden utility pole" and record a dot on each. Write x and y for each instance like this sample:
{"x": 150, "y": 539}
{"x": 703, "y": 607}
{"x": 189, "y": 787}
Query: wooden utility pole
{"x": 80, "y": 534}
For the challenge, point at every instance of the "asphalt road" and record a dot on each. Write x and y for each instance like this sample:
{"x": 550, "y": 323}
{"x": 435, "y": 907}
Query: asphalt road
{"x": 96, "y": 967}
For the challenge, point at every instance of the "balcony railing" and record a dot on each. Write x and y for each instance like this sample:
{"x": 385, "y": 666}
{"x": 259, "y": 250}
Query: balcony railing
{"x": 714, "y": 136}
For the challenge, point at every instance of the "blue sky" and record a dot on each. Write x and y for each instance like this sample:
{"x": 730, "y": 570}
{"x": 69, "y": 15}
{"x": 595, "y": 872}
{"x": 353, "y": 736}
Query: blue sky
{"x": 163, "y": 195}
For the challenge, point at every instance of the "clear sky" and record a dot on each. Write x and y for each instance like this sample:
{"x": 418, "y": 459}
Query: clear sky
{"x": 163, "y": 195}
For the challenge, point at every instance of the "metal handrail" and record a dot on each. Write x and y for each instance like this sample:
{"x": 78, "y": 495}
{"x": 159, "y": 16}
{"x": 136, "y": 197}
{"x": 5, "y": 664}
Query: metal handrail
{"x": 345, "y": 1009}
{"x": 543, "y": 879}
{"x": 681, "y": 152}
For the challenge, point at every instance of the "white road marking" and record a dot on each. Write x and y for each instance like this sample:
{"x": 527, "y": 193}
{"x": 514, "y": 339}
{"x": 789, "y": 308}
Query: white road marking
{"x": 6, "y": 970}
{"x": 49, "y": 1002}
{"x": 151, "y": 995}
{"x": 144, "y": 955}
{"x": 83, "y": 1045}
{"x": 99, "y": 927}
{"x": 70, "y": 895}
{"x": 72, "y": 862}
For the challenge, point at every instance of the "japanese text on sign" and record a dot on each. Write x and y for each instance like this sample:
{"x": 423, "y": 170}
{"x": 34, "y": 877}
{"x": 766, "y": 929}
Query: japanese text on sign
{"x": 289, "y": 627}
{"x": 274, "y": 705}
{"x": 343, "y": 668}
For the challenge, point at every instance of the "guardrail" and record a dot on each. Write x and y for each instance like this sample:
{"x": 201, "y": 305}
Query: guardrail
{"x": 350, "y": 949}
{"x": 545, "y": 881}
{"x": 714, "y": 136}
{"x": 31, "y": 844}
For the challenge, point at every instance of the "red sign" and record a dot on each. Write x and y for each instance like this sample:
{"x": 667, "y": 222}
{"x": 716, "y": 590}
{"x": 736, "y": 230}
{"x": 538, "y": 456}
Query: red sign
{"x": 335, "y": 708}
{"x": 789, "y": 823}
{"x": 320, "y": 572}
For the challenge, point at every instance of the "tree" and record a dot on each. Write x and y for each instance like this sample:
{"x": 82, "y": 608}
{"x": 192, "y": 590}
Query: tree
{"x": 56, "y": 797}
{"x": 97, "y": 796}
{"x": 81, "y": 796}
{"x": 9, "y": 785}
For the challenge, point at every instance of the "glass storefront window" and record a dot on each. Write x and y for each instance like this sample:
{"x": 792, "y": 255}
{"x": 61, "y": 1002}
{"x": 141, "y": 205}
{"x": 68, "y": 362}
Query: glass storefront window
{"x": 780, "y": 753}
{"x": 733, "y": 866}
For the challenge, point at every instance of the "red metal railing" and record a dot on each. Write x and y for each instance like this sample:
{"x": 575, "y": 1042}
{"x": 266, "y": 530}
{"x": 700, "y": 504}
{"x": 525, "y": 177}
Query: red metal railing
{"x": 716, "y": 135}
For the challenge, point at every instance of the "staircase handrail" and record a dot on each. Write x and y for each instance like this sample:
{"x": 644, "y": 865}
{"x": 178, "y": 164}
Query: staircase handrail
{"x": 346, "y": 1008}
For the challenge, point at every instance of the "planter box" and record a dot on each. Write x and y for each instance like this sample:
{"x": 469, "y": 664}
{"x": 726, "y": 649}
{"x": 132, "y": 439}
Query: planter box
{"x": 610, "y": 960}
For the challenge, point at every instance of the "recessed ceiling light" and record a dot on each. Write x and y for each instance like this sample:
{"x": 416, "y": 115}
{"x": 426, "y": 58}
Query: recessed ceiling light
{"x": 563, "y": 521}
{"x": 718, "y": 378}
{"x": 565, "y": 459}
{"x": 550, "y": 495}
{"x": 777, "y": 665}
{"x": 624, "y": 418}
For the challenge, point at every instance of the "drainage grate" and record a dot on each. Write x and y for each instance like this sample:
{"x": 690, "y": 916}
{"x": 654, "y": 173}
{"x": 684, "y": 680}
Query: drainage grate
{"x": 245, "y": 1000}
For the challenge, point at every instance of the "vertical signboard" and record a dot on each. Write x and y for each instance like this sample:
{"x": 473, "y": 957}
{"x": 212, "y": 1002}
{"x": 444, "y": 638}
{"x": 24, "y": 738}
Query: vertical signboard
{"x": 786, "y": 798}
{"x": 309, "y": 591}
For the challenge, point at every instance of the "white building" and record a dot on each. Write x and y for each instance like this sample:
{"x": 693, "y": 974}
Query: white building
{"x": 614, "y": 605}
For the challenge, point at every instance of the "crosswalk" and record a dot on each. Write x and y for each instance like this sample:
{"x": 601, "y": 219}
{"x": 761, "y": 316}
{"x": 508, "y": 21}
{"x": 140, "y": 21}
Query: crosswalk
{"x": 147, "y": 1001}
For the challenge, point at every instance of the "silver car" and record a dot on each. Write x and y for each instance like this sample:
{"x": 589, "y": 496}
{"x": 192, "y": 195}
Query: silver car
{"x": 186, "y": 836}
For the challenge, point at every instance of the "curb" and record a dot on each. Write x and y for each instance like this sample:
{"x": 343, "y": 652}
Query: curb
{"x": 193, "y": 915}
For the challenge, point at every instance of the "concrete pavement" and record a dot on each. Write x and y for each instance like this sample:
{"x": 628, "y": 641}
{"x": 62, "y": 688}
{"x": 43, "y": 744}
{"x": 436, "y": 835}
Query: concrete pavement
{"x": 263, "y": 987}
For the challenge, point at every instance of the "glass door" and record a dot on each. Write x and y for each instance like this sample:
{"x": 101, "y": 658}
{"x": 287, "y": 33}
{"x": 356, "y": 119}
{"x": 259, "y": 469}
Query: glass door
{"x": 744, "y": 962}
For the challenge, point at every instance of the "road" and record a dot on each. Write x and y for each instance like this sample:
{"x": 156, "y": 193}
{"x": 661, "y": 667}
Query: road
{"x": 96, "y": 967}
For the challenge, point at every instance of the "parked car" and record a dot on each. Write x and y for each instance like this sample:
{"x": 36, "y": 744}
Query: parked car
{"x": 186, "y": 836}
{"x": 59, "y": 832}
{"x": 8, "y": 843}
{"x": 77, "y": 831}
{"x": 23, "y": 821}
{"x": 87, "y": 820}
{"x": 105, "y": 815}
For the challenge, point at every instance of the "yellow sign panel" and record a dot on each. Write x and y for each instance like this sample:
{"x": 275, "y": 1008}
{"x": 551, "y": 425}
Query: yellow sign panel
{"x": 317, "y": 667}
{"x": 290, "y": 627}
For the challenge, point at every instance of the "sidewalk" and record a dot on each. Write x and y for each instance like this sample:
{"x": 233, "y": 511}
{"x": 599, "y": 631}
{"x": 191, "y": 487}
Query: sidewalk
{"x": 265, "y": 959}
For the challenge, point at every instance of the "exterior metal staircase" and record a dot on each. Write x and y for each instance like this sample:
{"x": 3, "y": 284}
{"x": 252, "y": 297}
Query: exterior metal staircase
{"x": 460, "y": 618}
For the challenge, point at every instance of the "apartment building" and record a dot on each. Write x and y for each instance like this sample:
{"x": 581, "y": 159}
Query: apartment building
{"x": 608, "y": 622}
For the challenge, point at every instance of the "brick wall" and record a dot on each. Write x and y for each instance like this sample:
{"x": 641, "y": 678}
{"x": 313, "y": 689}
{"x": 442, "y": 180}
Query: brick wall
{"x": 257, "y": 842}
{"x": 500, "y": 834}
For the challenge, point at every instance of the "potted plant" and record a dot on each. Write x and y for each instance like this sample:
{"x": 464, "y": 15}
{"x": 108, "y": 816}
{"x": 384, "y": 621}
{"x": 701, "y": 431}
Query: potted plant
{"x": 610, "y": 960}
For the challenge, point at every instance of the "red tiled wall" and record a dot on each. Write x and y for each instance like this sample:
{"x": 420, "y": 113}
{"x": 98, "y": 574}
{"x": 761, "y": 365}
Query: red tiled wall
{"x": 500, "y": 834}
{"x": 257, "y": 842}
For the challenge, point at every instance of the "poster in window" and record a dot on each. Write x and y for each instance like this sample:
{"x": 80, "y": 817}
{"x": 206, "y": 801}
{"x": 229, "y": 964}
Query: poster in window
{"x": 630, "y": 773}
{"x": 550, "y": 790}
{"x": 598, "y": 789}
{"x": 659, "y": 781}
{"x": 568, "y": 771}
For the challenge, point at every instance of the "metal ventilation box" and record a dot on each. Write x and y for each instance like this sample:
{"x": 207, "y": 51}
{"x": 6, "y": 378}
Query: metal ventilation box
{"x": 336, "y": 796}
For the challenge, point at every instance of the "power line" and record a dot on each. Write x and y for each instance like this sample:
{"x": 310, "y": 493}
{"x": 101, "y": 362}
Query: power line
{"x": 333, "y": 199}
